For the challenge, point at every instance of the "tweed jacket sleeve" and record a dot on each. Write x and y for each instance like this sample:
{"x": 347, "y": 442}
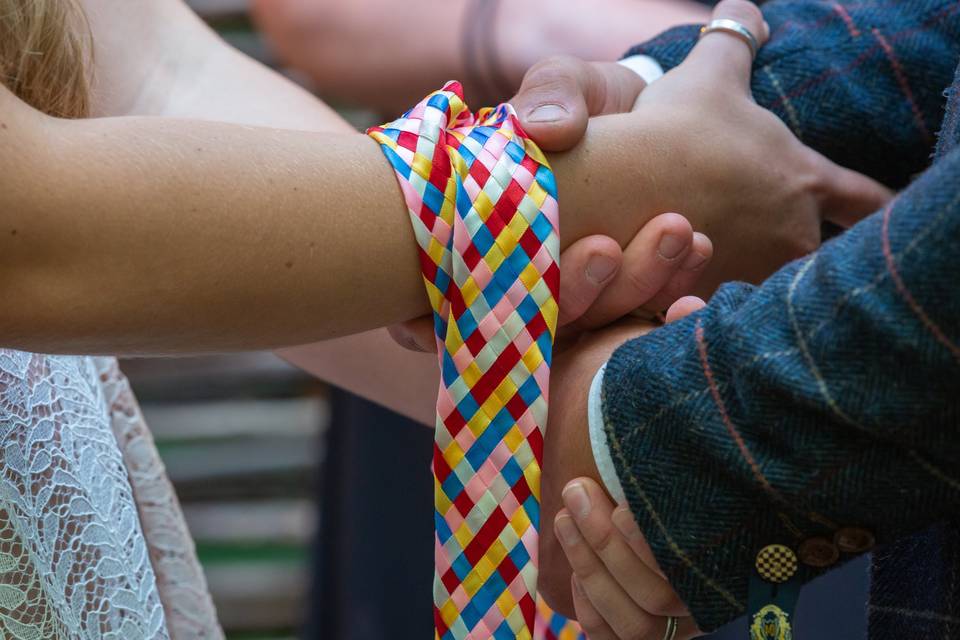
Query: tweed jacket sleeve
{"x": 828, "y": 397}
{"x": 869, "y": 71}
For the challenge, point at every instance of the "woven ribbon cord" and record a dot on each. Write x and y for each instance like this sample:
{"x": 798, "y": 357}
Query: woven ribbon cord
{"x": 483, "y": 204}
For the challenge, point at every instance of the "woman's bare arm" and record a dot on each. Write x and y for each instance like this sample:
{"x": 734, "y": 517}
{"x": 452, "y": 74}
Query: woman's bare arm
{"x": 158, "y": 59}
{"x": 149, "y": 235}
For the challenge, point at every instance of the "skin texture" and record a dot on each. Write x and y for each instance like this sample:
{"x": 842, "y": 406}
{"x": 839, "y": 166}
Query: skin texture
{"x": 395, "y": 67}
{"x": 158, "y": 59}
{"x": 199, "y": 202}
{"x": 572, "y": 372}
{"x": 718, "y": 71}
{"x": 618, "y": 589}
{"x": 199, "y": 192}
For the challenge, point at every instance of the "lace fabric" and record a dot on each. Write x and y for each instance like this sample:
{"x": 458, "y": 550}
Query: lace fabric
{"x": 92, "y": 541}
{"x": 180, "y": 580}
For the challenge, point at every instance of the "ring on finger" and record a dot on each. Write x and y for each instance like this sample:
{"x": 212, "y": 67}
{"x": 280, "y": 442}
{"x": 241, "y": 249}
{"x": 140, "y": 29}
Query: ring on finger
{"x": 671, "y": 632}
{"x": 734, "y": 28}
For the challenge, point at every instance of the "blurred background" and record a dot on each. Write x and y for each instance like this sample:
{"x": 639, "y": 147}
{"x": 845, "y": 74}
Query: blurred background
{"x": 311, "y": 508}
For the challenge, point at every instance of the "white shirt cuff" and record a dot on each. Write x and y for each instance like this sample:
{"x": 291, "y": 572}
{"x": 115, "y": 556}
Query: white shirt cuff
{"x": 644, "y": 66}
{"x": 598, "y": 439}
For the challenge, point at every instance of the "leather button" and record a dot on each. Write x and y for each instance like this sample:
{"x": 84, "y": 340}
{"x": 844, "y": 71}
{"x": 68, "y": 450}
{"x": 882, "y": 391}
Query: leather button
{"x": 854, "y": 540}
{"x": 818, "y": 552}
{"x": 776, "y": 563}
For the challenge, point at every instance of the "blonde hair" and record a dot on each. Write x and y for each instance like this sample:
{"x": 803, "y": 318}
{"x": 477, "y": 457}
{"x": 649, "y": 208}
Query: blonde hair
{"x": 45, "y": 55}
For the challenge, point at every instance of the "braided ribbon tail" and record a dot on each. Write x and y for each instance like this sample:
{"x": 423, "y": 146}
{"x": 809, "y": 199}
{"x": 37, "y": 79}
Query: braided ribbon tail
{"x": 483, "y": 204}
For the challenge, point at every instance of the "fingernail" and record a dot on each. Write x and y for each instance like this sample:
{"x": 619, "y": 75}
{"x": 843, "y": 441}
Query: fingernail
{"x": 600, "y": 269}
{"x": 625, "y": 524}
{"x": 566, "y": 530}
{"x": 548, "y": 113}
{"x": 576, "y": 498}
{"x": 694, "y": 260}
{"x": 671, "y": 246}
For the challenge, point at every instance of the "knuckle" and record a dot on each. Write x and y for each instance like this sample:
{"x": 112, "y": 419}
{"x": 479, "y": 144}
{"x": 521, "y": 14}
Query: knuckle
{"x": 603, "y": 540}
{"x": 641, "y": 286}
{"x": 591, "y": 626}
{"x": 575, "y": 304}
{"x": 587, "y": 572}
{"x": 660, "y": 601}
{"x": 554, "y": 70}
{"x": 803, "y": 241}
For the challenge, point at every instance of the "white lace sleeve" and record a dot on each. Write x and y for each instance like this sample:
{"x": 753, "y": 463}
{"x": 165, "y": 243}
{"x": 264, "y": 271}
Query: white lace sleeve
{"x": 180, "y": 580}
{"x": 74, "y": 562}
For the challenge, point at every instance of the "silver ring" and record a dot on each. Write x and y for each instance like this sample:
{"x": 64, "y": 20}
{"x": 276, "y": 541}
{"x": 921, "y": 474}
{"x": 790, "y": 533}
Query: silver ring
{"x": 672, "y": 626}
{"x": 734, "y": 28}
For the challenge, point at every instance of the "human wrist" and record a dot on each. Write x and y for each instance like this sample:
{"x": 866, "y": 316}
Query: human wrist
{"x": 617, "y": 179}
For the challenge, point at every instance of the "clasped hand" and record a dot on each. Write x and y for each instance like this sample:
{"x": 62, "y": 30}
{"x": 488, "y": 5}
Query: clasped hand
{"x": 739, "y": 176}
{"x": 731, "y": 168}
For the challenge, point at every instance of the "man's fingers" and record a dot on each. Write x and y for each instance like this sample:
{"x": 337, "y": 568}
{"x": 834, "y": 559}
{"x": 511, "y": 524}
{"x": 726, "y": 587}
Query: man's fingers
{"x": 848, "y": 196}
{"x": 593, "y": 515}
{"x": 591, "y": 622}
{"x": 723, "y": 56}
{"x": 586, "y": 268}
{"x": 623, "y": 615}
{"x": 651, "y": 260}
{"x": 558, "y": 96}
{"x": 627, "y": 525}
{"x": 686, "y": 277}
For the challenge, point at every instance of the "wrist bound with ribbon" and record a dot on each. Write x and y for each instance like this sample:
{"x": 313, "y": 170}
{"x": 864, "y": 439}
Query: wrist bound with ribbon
{"x": 483, "y": 204}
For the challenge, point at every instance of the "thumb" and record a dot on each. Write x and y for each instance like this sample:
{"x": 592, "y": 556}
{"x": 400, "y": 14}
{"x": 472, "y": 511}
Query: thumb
{"x": 559, "y": 95}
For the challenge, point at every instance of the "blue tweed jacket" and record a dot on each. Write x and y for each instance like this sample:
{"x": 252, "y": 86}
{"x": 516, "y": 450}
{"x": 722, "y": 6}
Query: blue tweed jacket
{"x": 828, "y": 397}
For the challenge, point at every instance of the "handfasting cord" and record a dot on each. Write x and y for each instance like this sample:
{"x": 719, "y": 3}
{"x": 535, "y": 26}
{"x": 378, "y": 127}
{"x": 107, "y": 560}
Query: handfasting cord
{"x": 483, "y": 203}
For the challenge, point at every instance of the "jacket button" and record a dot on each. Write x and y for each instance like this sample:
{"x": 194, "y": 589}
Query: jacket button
{"x": 853, "y": 540}
{"x": 818, "y": 552}
{"x": 776, "y": 563}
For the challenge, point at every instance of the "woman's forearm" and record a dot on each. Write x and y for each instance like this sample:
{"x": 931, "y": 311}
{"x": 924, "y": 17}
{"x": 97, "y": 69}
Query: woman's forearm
{"x": 144, "y": 235}
{"x": 155, "y": 236}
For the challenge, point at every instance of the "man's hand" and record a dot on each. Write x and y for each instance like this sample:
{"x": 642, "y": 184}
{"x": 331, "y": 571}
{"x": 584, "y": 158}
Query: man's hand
{"x": 600, "y": 282}
{"x": 617, "y": 587}
{"x": 618, "y": 590}
{"x": 568, "y": 460}
{"x": 733, "y": 169}
{"x": 567, "y": 451}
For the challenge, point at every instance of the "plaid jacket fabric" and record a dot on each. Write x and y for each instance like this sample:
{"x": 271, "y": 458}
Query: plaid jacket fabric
{"x": 861, "y": 81}
{"x": 829, "y": 396}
